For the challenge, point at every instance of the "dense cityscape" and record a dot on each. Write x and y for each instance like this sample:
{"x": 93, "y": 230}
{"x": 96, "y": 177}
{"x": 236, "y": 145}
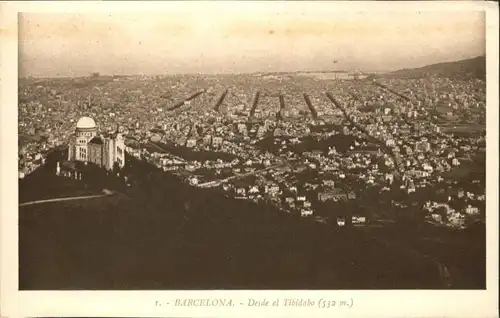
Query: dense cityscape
{"x": 347, "y": 180}
{"x": 311, "y": 147}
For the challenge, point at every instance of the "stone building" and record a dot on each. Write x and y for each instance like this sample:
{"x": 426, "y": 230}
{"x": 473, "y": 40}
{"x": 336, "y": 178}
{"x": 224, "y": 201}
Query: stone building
{"x": 87, "y": 146}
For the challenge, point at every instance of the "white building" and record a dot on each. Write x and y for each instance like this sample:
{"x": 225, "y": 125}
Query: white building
{"x": 85, "y": 145}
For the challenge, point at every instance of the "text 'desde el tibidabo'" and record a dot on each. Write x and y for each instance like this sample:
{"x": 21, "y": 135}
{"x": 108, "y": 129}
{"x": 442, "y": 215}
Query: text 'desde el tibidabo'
{"x": 321, "y": 303}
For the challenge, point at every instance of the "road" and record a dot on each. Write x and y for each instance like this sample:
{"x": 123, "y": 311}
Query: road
{"x": 85, "y": 197}
{"x": 215, "y": 183}
{"x": 376, "y": 140}
{"x": 220, "y": 100}
{"x": 166, "y": 151}
{"x": 314, "y": 113}
{"x": 218, "y": 182}
{"x": 255, "y": 103}
{"x": 182, "y": 103}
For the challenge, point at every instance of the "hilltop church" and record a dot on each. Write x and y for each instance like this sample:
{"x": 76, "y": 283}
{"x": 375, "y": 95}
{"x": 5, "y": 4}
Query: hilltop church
{"x": 85, "y": 145}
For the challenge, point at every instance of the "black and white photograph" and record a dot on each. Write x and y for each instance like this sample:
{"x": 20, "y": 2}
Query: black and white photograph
{"x": 273, "y": 147}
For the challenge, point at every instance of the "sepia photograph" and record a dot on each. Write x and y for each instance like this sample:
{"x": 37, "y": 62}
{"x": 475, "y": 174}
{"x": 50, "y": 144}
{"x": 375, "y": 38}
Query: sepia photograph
{"x": 170, "y": 152}
{"x": 267, "y": 147}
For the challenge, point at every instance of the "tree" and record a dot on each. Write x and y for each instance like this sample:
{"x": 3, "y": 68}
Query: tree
{"x": 443, "y": 211}
{"x": 116, "y": 168}
{"x": 95, "y": 74}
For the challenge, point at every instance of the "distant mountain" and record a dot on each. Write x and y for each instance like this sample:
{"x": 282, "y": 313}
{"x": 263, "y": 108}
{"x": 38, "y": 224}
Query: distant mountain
{"x": 464, "y": 69}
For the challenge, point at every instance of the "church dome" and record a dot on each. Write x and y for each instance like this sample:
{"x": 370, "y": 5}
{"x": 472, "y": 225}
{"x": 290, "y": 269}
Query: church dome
{"x": 85, "y": 123}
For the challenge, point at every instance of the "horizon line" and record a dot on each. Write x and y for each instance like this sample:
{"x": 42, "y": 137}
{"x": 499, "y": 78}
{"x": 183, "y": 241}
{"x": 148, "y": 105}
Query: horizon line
{"x": 359, "y": 72}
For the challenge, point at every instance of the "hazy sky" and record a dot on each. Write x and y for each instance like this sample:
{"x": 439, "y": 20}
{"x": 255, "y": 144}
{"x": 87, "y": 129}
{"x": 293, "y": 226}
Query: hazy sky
{"x": 226, "y": 41}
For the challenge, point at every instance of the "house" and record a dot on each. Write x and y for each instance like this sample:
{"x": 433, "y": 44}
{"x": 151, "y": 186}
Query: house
{"x": 261, "y": 131}
{"x": 278, "y": 132}
{"x": 191, "y": 142}
{"x": 273, "y": 190}
{"x": 437, "y": 217}
{"x": 308, "y": 185}
{"x": 242, "y": 128}
{"x": 306, "y": 212}
{"x": 216, "y": 141}
{"x": 207, "y": 139}
{"x": 387, "y": 118}
{"x": 389, "y": 177}
{"x": 410, "y": 185}
{"x": 471, "y": 210}
{"x": 253, "y": 190}
{"x": 340, "y": 221}
{"x": 351, "y": 195}
{"x": 358, "y": 219}
{"x": 329, "y": 183}
{"x": 332, "y": 194}
{"x": 427, "y": 167}
{"x": 422, "y": 146}
{"x": 241, "y": 191}
{"x": 390, "y": 142}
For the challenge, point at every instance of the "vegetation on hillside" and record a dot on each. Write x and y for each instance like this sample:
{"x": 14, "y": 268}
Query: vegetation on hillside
{"x": 464, "y": 69}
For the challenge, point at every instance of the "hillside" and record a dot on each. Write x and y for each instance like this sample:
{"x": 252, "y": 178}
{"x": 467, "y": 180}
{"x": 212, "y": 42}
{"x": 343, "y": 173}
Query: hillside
{"x": 464, "y": 69}
{"x": 163, "y": 234}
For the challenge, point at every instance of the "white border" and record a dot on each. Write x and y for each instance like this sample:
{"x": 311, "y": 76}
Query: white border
{"x": 134, "y": 303}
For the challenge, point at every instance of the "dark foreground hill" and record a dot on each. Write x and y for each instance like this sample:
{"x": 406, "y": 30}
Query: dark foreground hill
{"x": 464, "y": 69}
{"x": 163, "y": 234}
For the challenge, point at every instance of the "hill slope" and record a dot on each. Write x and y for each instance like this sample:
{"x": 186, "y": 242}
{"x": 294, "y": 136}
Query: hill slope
{"x": 464, "y": 69}
{"x": 167, "y": 235}
{"x": 164, "y": 234}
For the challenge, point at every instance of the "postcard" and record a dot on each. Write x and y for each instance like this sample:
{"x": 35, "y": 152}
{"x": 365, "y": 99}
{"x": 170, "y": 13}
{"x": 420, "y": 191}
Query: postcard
{"x": 241, "y": 159}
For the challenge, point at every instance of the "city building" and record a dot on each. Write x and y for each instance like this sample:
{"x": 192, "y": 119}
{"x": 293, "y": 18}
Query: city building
{"x": 332, "y": 194}
{"x": 85, "y": 145}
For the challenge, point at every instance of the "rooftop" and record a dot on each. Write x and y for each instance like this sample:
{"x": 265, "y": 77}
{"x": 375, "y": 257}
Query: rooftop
{"x": 85, "y": 123}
